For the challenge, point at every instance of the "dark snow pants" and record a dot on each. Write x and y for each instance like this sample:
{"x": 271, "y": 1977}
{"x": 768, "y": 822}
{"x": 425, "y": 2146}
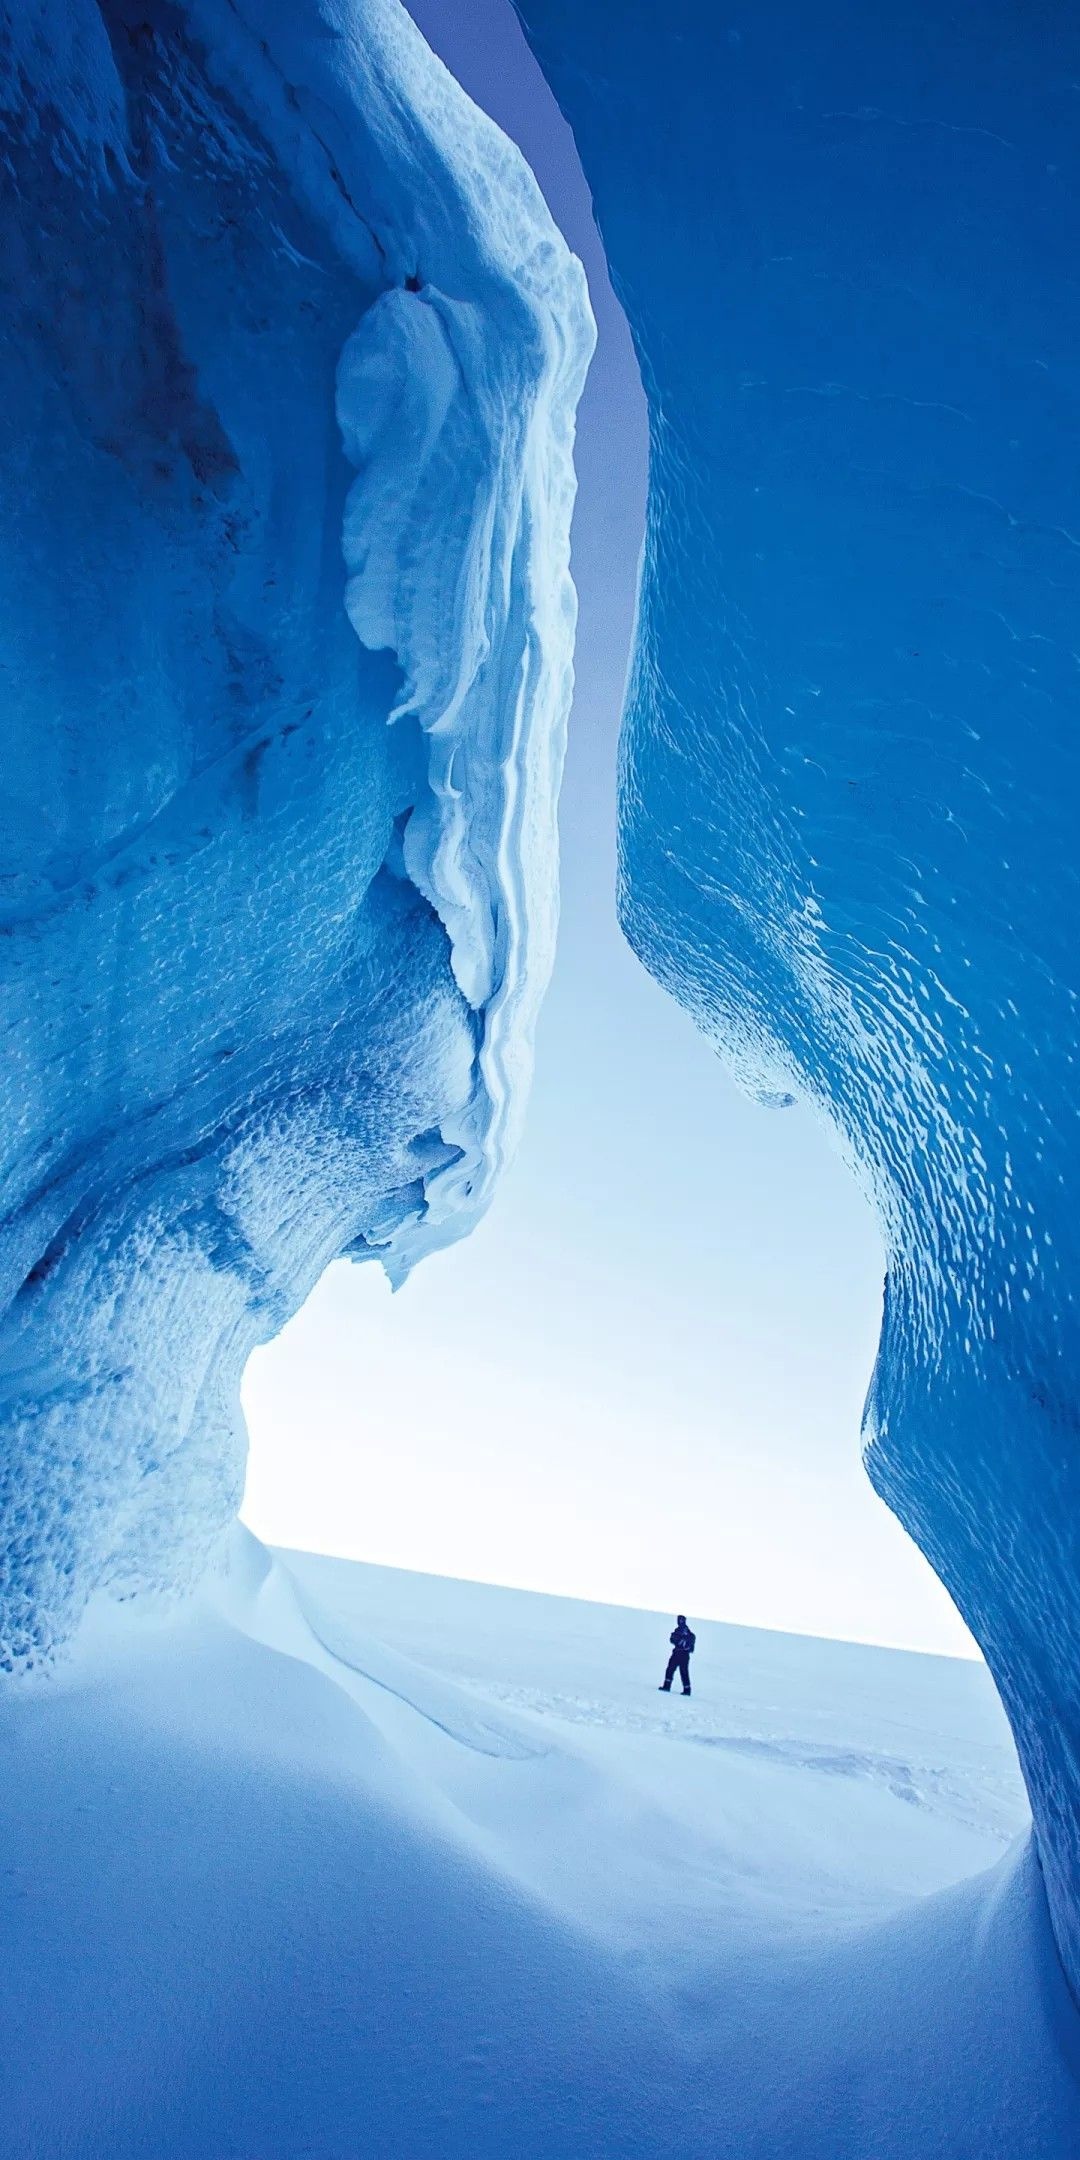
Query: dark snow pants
{"x": 678, "y": 1662}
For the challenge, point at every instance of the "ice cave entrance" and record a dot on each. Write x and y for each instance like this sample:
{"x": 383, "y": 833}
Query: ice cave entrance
{"x": 641, "y": 1378}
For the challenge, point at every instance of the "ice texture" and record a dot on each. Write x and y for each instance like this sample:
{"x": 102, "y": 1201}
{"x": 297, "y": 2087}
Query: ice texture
{"x": 846, "y": 239}
{"x": 287, "y": 391}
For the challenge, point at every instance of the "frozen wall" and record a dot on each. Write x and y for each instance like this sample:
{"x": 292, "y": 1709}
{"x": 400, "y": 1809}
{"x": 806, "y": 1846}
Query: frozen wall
{"x": 287, "y": 386}
{"x": 847, "y": 242}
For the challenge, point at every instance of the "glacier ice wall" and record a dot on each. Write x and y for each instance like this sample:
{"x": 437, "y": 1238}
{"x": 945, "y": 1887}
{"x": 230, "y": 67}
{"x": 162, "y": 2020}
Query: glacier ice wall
{"x": 847, "y": 242}
{"x": 287, "y": 385}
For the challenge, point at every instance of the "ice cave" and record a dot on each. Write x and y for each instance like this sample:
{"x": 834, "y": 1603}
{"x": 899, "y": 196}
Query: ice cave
{"x": 292, "y": 351}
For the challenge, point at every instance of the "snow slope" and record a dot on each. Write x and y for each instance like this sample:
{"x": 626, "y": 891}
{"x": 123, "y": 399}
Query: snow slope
{"x": 463, "y": 1883}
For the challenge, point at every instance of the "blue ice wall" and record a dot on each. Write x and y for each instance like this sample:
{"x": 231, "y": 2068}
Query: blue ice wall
{"x": 847, "y": 240}
{"x": 287, "y": 381}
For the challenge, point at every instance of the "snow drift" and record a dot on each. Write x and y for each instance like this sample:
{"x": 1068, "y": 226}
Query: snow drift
{"x": 464, "y": 1884}
{"x": 846, "y": 240}
{"x": 288, "y": 386}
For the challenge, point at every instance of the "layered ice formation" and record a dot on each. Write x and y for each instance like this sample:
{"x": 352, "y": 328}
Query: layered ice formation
{"x": 286, "y": 416}
{"x": 846, "y": 239}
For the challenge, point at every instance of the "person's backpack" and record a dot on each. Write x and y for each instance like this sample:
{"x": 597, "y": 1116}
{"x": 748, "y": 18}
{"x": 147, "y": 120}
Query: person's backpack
{"x": 691, "y": 1638}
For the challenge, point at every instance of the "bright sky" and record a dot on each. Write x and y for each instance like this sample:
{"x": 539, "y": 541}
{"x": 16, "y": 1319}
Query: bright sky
{"x": 641, "y": 1379}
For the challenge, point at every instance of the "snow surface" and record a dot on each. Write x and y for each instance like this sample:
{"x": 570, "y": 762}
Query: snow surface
{"x": 291, "y": 356}
{"x": 846, "y": 240}
{"x": 463, "y": 1884}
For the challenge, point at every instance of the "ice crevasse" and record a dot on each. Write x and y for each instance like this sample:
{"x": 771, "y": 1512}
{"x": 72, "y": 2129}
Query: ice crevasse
{"x": 287, "y": 393}
{"x": 846, "y": 239}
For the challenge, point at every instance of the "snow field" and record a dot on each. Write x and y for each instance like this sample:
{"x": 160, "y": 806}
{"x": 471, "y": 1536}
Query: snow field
{"x": 343, "y": 1861}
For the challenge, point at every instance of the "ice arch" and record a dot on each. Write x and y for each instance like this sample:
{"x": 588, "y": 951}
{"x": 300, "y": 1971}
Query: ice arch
{"x": 291, "y": 357}
{"x": 846, "y": 239}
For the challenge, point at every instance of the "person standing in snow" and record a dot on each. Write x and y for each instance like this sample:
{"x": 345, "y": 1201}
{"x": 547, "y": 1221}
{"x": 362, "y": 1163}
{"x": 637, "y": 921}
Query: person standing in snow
{"x": 682, "y": 1640}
